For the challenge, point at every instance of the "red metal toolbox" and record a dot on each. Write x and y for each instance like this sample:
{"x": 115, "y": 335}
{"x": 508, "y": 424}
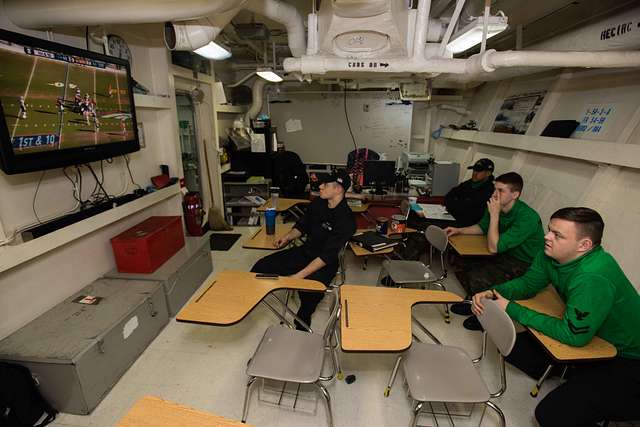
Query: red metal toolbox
{"x": 146, "y": 246}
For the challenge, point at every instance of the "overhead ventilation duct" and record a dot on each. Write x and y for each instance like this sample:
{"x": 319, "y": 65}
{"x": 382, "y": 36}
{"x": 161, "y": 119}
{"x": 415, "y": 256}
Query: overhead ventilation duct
{"x": 38, "y": 14}
{"x": 257, "y": 91}
{"x": 286, "y": 15}
{"x": 361, "y": 29}
{"x": 189, "y": 35}
{"x": 188, "y": 22}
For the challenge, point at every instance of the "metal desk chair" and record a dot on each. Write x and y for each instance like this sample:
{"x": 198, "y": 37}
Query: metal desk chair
{"x": 408, "y": 272}
{"x": 295, "y": 356}
{"x": 441, "y": 373}
{"x": 341, "y": 274}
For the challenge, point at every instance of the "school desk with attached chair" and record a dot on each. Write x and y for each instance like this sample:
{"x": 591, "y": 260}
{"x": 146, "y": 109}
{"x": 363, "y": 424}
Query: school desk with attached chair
{"x": 549, "y": 302}
{"x": 286, "y": 205}
{"x": 261, "y": 240}
{"x": 232, "y": 294}
{"x": 377, "y": 319}
{"x": 364, "y": 254}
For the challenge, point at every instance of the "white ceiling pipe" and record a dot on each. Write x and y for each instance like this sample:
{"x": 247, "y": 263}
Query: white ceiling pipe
{"x": 422, "y": 27}
{"x": 451, "y": 27}
{"x": 257, "y": 99}
{"x": 504, "y": 65}
{"x": 471, "y": 67}
{"x": 47, "y": 13}
{"x": 605, "y": 36}
{"x": 323, "y": 65}
{"x": 286, "y": 15}
{"x": 435, "y": 30}
{"x": 493, "y": 60}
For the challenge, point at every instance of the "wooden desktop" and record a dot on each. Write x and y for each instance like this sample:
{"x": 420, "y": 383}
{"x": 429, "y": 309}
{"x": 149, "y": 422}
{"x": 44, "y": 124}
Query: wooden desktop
{"x": 151, "y": 411}
{"x": 378, "y": 319}
{"x": 232, "y": 294}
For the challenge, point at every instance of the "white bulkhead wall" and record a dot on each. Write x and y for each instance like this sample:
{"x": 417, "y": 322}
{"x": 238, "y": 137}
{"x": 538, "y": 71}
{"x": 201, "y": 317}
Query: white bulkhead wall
{"x": 33, "y": 287}
{"x": 553, "y": 182}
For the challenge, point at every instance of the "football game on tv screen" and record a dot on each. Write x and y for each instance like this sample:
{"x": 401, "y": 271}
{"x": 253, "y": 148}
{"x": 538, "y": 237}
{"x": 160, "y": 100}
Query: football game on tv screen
{"x": 54, "y": 100}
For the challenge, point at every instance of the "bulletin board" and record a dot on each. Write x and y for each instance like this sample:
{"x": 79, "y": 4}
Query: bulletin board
{"x": 517, "y": 112}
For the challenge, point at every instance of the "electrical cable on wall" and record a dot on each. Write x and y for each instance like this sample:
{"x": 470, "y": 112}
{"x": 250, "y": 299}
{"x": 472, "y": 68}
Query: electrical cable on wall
{"x": 346, "y": 114}
{"x": 88, "y": 165}
{"x": 76, "y": 195}
{"x": 79, "y": 174}
{"x": 35, "y": 195}
{"x": 95, "y": 194}
{"x": 126, "y": 160}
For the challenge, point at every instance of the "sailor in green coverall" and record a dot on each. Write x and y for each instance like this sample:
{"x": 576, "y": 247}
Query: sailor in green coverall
{"x": 514, "y": 233}
{"x": 600, "y": 301}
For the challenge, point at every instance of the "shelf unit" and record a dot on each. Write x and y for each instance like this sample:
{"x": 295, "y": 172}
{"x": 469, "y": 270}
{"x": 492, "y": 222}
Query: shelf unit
{"x": 236, "y": 206}
{"x": 12, "y": 256}
{"x": 607, "y": 152}
{"x": 238, "y": 109}
{"x": 152, "y": 102}
{"x": 226, "y": 167}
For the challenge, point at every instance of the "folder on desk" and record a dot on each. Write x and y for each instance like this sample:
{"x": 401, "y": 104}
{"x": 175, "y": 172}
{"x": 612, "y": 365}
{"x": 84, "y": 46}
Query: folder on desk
{"x": 372, "y": 241}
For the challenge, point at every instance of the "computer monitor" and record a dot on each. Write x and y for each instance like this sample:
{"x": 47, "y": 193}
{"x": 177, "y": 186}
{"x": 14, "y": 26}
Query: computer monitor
{"x": 62, "y": 106}
{"x": 379, "y": 173}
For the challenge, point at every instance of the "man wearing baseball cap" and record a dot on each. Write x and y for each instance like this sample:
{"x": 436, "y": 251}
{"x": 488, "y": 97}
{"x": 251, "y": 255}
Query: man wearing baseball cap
{"x": 328, "y": 225}
{"x": 468, "y": 201}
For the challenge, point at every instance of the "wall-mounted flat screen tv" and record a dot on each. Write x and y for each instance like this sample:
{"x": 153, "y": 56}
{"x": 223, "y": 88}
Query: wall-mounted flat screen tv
{"x": 62, "y": 106}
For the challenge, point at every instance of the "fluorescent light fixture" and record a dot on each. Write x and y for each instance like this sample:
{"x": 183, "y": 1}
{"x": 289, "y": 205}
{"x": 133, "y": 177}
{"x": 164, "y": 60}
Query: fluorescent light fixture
{"x": 269, "y": 75}
{"x": 471, "y": 35}
{"x": 213, "y": 51}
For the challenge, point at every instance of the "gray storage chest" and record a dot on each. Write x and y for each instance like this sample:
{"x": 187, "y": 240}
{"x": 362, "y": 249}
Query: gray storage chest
{"x": 77, "y": 352}
{"x": 181, "y": 275}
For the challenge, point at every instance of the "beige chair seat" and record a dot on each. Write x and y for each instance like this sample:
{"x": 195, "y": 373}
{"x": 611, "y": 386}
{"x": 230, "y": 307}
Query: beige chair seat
{"x": 402, "y": 272}
{"x": 438, "y": 373}
{"x": 288, "y": 355}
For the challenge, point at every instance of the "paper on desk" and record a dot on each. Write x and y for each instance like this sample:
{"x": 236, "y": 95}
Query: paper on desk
{"x": 436, "y": 211}
{"x": 293, "y": 125}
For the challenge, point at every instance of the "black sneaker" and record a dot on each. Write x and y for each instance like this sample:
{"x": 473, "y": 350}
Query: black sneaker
{"x": 472, "y": 323}
{"x": 460, "y": 308}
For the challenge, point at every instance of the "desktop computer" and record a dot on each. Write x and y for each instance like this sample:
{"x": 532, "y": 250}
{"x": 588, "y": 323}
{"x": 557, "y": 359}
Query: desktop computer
{"x": 379, "y": 174}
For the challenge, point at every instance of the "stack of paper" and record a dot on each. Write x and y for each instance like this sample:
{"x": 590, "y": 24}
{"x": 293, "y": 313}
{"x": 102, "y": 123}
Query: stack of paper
{"x": 436, "y": 212}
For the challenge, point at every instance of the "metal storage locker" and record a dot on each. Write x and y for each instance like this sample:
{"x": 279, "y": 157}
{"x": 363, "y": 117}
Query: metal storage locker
{"x": 181, "y": 275}
{"x": 77, "y": 352}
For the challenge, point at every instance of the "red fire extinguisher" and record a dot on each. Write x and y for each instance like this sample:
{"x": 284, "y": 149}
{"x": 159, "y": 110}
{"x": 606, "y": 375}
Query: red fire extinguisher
{"x": 193, "y": 213}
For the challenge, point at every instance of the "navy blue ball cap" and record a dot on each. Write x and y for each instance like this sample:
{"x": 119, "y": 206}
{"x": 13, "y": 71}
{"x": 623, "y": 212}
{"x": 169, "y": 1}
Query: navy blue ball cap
{"x": 341, "y": 177}
{"x": 483, "y": 165}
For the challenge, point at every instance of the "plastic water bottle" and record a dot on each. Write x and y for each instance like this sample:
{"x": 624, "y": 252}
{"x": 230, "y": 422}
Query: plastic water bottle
{"x": 270, "y": 221}
{"x": 274, "y": 197}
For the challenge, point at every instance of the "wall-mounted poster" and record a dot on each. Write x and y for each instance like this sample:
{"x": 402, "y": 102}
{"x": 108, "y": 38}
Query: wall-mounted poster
{"x": 517, "y": 112}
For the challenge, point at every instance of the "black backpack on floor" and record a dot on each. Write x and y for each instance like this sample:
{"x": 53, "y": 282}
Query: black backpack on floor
{"x": 21, "y": 404}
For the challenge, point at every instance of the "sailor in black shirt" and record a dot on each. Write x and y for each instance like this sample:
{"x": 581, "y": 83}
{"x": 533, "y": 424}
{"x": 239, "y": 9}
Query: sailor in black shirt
{"x": 468, "y": 201}
{"x": 328, "y": 225}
